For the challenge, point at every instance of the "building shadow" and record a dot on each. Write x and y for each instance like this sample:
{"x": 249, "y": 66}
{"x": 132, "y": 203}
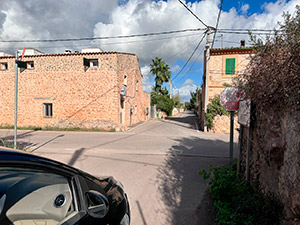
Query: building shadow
{"x": 181, "y": 187}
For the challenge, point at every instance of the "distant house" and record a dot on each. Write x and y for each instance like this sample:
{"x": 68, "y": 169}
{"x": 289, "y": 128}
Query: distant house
{"x": 224, "y": 65}
{"x": 93, "y": 89}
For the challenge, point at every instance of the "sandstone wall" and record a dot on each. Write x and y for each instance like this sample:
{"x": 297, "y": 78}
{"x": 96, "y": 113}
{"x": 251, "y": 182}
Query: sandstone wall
{"x": 222, "y": 124}
{"x": 87, "y": 98}
{"x": 136, "y": 97}
{"x": 275, "y": 158}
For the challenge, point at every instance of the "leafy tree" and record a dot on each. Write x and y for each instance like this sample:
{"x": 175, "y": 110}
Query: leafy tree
{"x": 162, "y": 73}
{"x": 195, "y": 98}
{"x": 273, "y": 75}
{"x": 160, "y": 96}
{"x": 163, "y": 102}
{"x": 176, "y": 101}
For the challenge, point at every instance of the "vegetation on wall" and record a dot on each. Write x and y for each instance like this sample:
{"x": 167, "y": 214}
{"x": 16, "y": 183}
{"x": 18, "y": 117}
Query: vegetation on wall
{"x": 237, "y": 201}
{"x": 214, "y": 108}
{"x": 273, "y": 75}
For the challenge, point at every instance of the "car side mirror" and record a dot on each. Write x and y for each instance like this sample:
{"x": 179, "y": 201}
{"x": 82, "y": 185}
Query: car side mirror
{"x": 97, "y": 204}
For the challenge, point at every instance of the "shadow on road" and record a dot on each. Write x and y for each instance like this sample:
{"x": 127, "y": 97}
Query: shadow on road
{"x": 188, "y": 121}
{"x": 8, "y": 141}
{"x": 182, "y": 188}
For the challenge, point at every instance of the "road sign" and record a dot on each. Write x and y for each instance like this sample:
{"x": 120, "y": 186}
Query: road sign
{"x": 244, "y": 112}
{"x": 21, "y": 64}
{"x": 86, "y": 62}
{"x": 230, "y": 98}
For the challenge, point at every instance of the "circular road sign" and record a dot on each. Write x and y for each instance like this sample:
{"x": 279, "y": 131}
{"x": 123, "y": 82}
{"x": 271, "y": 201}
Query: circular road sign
{"x": 230, "y": 98}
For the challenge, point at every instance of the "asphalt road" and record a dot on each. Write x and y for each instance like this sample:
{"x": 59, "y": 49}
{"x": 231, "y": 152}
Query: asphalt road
{"x": 157, "y": 162}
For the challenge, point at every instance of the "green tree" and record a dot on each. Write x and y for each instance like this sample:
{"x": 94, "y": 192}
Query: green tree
{"x": 195, "y": 98}
{"x": 160, "y": 96}
{"x": 162, "y": 73}
{"x": 176, "y": 100}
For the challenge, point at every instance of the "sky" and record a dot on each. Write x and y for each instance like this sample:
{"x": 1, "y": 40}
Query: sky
{"x": 53, "y": 19}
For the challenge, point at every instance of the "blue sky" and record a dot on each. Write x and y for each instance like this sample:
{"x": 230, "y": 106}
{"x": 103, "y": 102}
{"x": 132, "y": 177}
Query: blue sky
{"x": 52, "y": 19}
{"x": 194, "y": 70}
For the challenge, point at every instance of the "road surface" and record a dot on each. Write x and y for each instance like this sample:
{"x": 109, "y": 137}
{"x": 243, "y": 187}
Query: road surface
{"x": 157, "y": 162}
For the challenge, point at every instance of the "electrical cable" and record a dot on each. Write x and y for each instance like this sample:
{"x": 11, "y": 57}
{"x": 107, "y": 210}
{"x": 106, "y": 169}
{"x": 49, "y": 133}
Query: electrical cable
{"x": 193, "y": 14}
{"x": 111, "y": 43}
{"x": 181, "y": 50}
{"x": 218, "y": 19}
{"x": 190, "y": 67}
{"x": 190, "y": 56}
{"x": 103, "y": 38}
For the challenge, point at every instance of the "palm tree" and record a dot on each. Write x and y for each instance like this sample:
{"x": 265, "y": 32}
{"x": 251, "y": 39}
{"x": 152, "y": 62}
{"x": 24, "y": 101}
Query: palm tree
{"x": 162, "y": 72}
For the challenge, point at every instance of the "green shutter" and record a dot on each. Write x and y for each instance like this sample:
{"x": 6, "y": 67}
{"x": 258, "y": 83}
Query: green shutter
{"x": 230, "y": 66}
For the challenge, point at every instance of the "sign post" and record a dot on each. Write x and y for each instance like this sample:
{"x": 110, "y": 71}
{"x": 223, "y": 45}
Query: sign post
{"x": 23, "y": 65}
{"x": 229, "y": 99}
{"x": 16, "y": 101}
{"x": 244, "y": 120}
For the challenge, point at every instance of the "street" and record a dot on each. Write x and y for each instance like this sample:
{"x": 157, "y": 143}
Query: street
{"x": 157, "y": 162}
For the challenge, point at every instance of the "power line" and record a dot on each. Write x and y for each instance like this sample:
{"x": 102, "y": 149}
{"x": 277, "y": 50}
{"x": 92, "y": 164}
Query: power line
{"x": 193, "y": 14}
{"x": 111, "y": 43}
{"x": 233, "y": 31}
{"x": 244, "y": 29}
{"x": 191, "y": 66}
{"x": 218, "y": 19}
{"x": 103, "y": 38}
{"x": 244, "y": 32}
{"x": 188, "y": 45}
{"x": 190, "y": 56}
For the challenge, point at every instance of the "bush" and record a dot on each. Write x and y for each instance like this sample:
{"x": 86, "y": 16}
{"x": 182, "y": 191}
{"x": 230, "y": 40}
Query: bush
{"x": 214, "y": 108}
{"x": 164, "y": 103}
{"x": 238, "y": 202}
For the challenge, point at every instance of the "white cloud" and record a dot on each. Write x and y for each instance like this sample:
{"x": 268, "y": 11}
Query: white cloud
{"x": 145, "y": 16}
{"x": 185, "y": 89}
{"x": 245, "y": 8}
{"x": 175, "y": 68}
{"x": 48, "y": 19}
{"x": 147, "y": 79}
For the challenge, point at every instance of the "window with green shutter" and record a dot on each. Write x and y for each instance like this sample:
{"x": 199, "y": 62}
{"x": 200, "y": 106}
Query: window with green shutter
{"x": 230, "y": 66}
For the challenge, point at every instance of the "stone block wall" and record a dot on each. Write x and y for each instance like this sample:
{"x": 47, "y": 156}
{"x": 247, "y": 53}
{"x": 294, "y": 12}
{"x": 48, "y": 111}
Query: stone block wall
{"x": 81, "y": 97}
{"x": 275, "y": 158}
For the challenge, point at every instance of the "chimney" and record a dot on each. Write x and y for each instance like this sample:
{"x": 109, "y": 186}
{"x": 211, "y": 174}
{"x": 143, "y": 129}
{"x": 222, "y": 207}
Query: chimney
{"x": 242, "y": 43}
{"x": 68, "y": 51}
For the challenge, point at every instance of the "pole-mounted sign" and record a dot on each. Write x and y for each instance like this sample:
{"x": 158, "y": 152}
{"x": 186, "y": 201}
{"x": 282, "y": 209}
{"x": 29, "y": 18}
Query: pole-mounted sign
{"x": 230, "y": 99}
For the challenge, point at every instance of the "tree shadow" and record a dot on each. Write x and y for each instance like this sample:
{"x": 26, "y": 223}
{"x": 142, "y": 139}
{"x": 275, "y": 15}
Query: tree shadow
{"x": 181, "y": 187}
{"x": 188, "y": 121}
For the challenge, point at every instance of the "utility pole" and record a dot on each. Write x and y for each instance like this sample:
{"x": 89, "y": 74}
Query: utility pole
{"x": 16, "y": 100}
{"x": 206, "y": 73}
{"x": 170, "y": 88}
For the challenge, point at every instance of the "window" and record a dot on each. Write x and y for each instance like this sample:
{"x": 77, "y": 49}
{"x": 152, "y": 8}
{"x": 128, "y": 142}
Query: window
{"x": 4, "y": 66}
{"x": 93, "y": 62}
{"x": 48, "y": 110}
{"x": 125, "y": 80}
{"x": 30, "y": 65}
{"x": 137, "y": 85}
{"x": 230, "y": 66}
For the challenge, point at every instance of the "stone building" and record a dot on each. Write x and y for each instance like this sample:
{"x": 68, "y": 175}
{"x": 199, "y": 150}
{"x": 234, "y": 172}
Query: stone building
{"x": 224, "y": 65}
{"x": 74, "y": 90}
